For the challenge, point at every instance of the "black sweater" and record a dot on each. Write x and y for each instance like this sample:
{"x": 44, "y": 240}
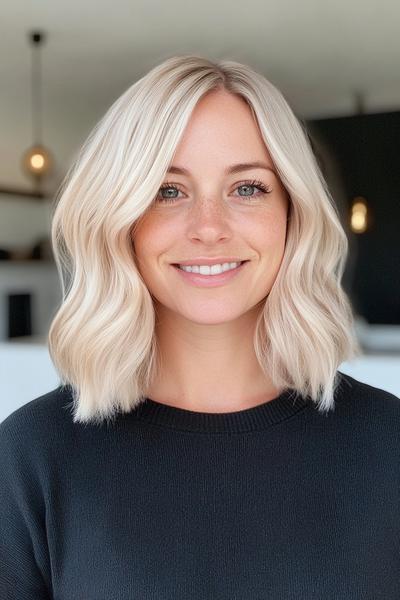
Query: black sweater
{"x": 273, "y": 502}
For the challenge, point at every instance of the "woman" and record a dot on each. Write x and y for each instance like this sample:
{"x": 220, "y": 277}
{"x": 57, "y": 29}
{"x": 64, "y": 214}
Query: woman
{"x": 203, "y": 443}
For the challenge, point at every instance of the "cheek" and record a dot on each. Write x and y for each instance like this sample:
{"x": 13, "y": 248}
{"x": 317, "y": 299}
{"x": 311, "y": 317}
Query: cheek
{"x": 142, "y": 246}
{"x": 270, "y": 233}
{"x": 151, "y": 242}
{"x": 144, "y": 236}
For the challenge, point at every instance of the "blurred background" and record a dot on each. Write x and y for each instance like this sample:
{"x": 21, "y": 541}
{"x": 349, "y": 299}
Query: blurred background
{"x": 63, "y": 64}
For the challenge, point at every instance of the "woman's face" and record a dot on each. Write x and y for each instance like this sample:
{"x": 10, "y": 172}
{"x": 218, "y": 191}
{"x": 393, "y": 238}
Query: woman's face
{"x": 212, "y": 211}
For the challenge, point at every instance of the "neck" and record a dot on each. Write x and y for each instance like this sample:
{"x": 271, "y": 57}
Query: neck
{"x": 208, "y": 368}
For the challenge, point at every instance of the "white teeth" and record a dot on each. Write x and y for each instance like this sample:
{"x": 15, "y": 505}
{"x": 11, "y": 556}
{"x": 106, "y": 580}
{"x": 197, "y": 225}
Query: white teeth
{"x": 210, "y": 270}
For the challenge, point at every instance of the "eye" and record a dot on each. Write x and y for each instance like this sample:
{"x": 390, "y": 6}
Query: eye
{"x": 168, "y": 192}
{"x": 249, "y": 186}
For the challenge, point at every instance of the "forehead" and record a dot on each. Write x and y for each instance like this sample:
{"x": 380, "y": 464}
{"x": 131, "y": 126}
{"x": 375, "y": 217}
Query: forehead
{"x": 221, "y": 128}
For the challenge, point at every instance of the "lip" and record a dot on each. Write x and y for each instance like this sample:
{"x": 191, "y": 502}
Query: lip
{"x": 210, "y": 280}
{"x": 202, "y": 260}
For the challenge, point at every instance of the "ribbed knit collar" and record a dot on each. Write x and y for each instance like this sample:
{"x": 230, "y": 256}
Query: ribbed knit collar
{"x": 258, "y": 417}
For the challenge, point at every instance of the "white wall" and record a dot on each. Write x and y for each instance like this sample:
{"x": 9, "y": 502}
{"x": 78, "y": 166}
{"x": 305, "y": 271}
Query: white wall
{"x": 39, "y": 278}
{"x": 26, "y": 372}
{"x": 23, "y": 221}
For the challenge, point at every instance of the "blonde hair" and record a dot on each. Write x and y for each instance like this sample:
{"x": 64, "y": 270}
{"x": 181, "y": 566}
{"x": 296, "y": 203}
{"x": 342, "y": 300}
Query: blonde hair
{"x": 102, "y": 339}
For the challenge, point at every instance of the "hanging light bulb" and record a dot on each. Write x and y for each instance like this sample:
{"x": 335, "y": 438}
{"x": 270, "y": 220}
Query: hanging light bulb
{"x": 359, "y": 215}
{"x": 37, "y": 160}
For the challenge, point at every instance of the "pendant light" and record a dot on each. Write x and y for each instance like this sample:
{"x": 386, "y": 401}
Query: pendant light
{"x": 360, "y": 217}
{"x": 37, "y": 160}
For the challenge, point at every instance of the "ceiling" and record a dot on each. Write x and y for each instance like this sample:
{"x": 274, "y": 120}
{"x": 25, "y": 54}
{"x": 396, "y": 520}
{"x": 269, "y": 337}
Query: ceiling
{"x": 318, "y": 53}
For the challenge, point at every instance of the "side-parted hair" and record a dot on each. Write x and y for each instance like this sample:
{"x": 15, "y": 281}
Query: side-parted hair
{"x": 102, "y": 338}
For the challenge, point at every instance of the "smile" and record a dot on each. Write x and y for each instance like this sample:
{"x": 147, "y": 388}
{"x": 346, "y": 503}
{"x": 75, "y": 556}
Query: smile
{"x": 205, "y": 277}
{"x": 210, "y": 269}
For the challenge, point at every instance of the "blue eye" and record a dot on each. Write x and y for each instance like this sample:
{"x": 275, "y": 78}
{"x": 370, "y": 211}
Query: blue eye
{"x": 172, "y": 191}
{"x": 250, "y": 186}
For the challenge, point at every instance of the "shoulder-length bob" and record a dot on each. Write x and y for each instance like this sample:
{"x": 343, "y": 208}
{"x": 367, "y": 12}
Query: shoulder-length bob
{"x": 102, "y": 337}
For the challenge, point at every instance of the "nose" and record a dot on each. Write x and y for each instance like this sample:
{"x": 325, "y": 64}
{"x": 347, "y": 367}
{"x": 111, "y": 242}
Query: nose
{"x": 208, "y": 220}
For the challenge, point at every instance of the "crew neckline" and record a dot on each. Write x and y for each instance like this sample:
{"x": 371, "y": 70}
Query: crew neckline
{"x": 258, "y": 417}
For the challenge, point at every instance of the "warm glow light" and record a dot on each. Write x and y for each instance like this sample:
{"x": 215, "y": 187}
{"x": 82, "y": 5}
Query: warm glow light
{"x": 37, "y": 161}
{"x": 359, "y": 215}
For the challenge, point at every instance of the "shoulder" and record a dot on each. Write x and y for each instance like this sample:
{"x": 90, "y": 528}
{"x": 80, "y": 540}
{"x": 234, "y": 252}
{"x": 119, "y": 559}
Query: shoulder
{"x": 40, "y": 409}
{"x": 364, "y": 420}
{"x": 38, "y": 420}
{"x": 359, "y": 407}
{"x": 352, "y": 392}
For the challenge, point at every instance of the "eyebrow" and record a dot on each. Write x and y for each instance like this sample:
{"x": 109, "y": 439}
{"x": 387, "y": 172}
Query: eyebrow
{"x": 229, "y": 170}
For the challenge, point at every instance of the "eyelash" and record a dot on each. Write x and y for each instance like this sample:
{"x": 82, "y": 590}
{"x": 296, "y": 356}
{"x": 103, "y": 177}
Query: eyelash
{"x": 263, "y": 189}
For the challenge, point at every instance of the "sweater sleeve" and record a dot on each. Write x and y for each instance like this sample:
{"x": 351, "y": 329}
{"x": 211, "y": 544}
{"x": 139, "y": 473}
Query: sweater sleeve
{"x": 24, "y": 560}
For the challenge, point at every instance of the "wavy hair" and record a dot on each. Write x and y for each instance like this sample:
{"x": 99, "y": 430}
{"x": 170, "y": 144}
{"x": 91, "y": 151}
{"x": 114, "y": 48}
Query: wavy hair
{"x": 102, "y": 338}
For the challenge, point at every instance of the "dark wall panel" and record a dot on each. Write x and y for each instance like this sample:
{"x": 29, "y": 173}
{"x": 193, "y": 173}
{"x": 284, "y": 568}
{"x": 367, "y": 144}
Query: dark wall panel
{"x": 367, "y": 150}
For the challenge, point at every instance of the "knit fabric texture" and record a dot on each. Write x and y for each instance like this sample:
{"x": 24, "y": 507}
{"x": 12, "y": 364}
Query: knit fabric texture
{"x": 278, "y": 501}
